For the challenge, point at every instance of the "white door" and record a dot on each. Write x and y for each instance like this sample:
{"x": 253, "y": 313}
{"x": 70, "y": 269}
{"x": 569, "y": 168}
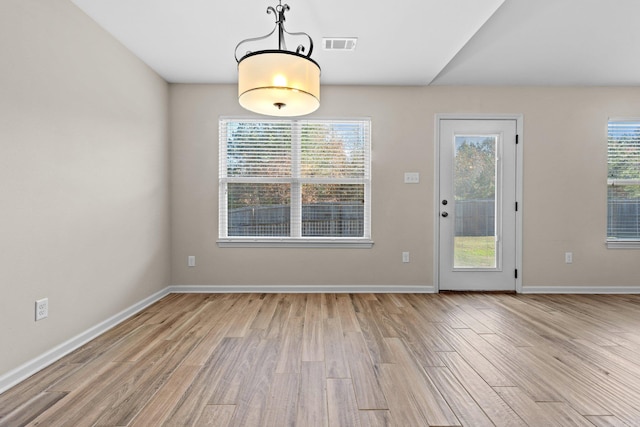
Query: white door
{"x": 477, "y": 205}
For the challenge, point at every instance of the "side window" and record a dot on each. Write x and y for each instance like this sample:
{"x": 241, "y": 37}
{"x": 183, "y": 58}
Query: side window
{"x": 623, "y": 183}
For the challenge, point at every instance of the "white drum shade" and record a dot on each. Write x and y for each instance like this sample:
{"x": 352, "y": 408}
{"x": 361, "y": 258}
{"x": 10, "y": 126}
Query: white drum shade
{"x": 278, "y": 83}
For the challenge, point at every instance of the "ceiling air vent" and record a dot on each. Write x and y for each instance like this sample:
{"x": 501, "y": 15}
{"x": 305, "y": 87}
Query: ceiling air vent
{"x": 339, "y": 43}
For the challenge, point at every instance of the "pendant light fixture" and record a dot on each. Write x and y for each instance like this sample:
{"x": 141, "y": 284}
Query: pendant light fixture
{"x": 279, "y": 82}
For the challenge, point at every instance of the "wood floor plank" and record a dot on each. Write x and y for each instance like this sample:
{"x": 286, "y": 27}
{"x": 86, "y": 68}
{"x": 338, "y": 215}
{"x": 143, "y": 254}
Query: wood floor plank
{"x": 378, "y": 348}
{"x": 540, "y": 387}
{"x": 283, "y": 401}
{"x": 106, "y": 341}
{"x": 564, "y": 415}
{"x": 480, "y": 316}
{"x": 460, "y": 401}
{"x": 567, "y": 387}
{"x": 605, "y": 421}
{"x": 341, "y": 403}
{"x": 238, "y": 371}
{"x": 290, "y": 354}
{"x": 33, "y": 386}
{"x": 216, "y": 416}
{"x": 469, "y": 321}
{"x": 134, "y": 393}
{"x": 347, "y": 314}
{"x": 312, "y": 396}
{"x": 245, "y": 312}
{"x": 84, "y": 405}
{"x": 93, "y": 368}
{"x": 160, "y": 406}
{"x": 405, "y": 410}
{"x": 624, "y": 367}
{"x": 364, "y": 373}
{"x": 266, "y": 311}
{"x": 312, "y": 345}
{"x": 279, "y": 319}
{"x": 541, "y": 321}
{"x": 380, "y": 315}
{"x": 382, "y": 359}
{"x": 213, "y": 373}
{"x": 391, "y": 303}
{"x": 336, "y": 362}
{"x": 483, "y": 366}
{"x": 525, "y": 406}
{"x": 419, "y": 340}
{"x": 376, "y": 419}
{"x": 594, "y": 383}
{"x": 298, "y": 304}
{"x": 420, "y": 388}
{"x": 31, "y": 409}
{"x": 430, "y": 309}
{"x": 330, "y": 307}
{"x": 251, "y": 403}
{"x": 496, "y": 409}
{"x": 203, "y": 350}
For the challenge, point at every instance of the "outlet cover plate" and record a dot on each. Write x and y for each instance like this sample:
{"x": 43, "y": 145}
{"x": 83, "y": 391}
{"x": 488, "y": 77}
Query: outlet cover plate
{"x": 42, "y": 309}
{"x": 412, "y": 177}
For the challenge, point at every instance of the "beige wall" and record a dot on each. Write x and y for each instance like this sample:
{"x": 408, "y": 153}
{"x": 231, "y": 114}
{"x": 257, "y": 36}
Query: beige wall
{"x": 564, "y": 187}
{"x": 84, "y": 184}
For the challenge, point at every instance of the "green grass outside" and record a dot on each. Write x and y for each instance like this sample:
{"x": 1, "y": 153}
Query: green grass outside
{"x": 475, "y": 251}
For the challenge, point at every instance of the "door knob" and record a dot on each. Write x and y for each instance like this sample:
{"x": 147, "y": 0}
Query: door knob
{"x": 444, "y": 202}
{"x": 445, "y": 214}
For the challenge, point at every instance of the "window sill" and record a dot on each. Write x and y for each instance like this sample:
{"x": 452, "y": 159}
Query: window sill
{"x": 296, "y": 243}
{"x": 623, "y": 244}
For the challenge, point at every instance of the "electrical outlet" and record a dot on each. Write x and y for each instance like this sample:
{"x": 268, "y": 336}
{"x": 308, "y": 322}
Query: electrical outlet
{"x": 191, "y": 261}
{"x": 405, "y": 256}
{"x": 42, "y": 309}
{"x": 568, "y": 257}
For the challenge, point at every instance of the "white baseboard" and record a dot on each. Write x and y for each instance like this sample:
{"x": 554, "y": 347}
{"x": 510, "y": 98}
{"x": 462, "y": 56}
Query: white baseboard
{"x": 303, "y": 289}
{"x": 581, "y": 290}
{"x": 23, "y": 372}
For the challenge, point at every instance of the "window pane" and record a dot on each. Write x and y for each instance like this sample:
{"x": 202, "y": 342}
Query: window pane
{"x": 259, "y": 209}
{"x": 259, "y": 149}
{"x": 623, "y": 194}
{"x": 624, "y": 150}
{"x": 623, "y": 219}
{"x": 333, "y": 150}
{"x": 475, "y": 202}
{"x": 332, "y": 210}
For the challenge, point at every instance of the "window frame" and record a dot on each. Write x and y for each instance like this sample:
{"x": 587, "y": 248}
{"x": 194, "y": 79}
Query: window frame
{"x": 296, "y": 181}
{"x": 616, "y": 242}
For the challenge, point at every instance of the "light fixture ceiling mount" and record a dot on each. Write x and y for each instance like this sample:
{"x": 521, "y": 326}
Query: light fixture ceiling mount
{"x": 279, "y": 82}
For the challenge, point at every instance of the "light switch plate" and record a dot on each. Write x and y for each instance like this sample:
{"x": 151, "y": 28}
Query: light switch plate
{"x": 411, "y": 177}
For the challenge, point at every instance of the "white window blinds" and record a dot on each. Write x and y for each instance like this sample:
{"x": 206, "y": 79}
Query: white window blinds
{"x": 623, "y": 193}
{"x": 300, "y": 179}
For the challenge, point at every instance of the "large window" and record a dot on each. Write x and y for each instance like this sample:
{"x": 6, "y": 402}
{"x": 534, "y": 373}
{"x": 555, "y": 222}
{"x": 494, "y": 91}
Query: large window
{"x": 623, "y": 189}
{"x": 289, "y": 182}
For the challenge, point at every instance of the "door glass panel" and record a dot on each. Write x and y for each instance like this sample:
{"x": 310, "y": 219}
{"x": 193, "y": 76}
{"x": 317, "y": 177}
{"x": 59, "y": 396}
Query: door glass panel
{"x": 475, "y": 181}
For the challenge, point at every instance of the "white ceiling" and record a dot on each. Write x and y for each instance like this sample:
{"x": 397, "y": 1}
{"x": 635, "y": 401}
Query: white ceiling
{"x": 404, "y": 42}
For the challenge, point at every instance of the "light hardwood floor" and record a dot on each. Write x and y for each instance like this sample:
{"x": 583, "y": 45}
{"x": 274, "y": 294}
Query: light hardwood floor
{"x": 349, "y": 360}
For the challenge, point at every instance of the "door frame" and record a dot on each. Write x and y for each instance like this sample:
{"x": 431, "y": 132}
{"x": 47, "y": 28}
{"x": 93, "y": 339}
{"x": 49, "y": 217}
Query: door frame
{"x": 519, "y": 118}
